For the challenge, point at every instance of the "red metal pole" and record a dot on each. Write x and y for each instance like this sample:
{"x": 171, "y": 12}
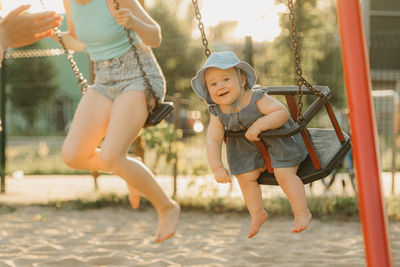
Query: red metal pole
{"x": 363, "y": 131}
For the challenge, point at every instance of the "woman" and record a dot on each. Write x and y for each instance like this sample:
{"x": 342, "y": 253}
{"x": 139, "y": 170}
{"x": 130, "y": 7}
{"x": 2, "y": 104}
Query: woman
{"x": 114, "y": 107}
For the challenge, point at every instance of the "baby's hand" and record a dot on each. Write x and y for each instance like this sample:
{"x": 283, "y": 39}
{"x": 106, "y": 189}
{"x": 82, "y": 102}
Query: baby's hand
{"x": 253, "y": 132}
{"x": 222, "y": 175}
{"x": 124, "y": 17}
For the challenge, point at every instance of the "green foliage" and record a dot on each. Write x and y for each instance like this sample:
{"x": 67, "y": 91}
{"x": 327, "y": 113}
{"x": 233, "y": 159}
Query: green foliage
{"x": 96, "y": 202}
{"x": 43, "y": 157}
{"x": 327, "y": 69}
{"x": 178, "y": 62}
{"x": 393, "y": 207}
{"x": 200, "y": 169}
{"x": 31, "y": 85}
{"x": 163, "y": 139}
{"x": 319, "y": 48}
{"x": 4, "y": 208}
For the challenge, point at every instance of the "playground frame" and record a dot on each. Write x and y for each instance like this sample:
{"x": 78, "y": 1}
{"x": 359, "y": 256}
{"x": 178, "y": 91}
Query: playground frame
{"x": 364, "y": 134}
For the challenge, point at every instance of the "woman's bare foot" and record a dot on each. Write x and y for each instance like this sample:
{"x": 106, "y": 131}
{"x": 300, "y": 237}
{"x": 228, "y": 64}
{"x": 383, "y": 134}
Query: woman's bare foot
{"x": 256, "y": 222}
{"x": 167, "y": 222}
{"x": 301, "y": 220}
{"x": 134, "y": 197}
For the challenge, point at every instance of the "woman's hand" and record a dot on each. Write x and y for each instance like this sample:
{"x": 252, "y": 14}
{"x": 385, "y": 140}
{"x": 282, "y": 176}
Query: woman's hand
{"x": 124, "y": 17}
{"x": 19, "y": 28}
{"x": 222, "y": 176}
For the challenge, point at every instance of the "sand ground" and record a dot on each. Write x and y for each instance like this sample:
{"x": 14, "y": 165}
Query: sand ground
{"x": 35, "y": 236}
{"x": 43, "y": 236}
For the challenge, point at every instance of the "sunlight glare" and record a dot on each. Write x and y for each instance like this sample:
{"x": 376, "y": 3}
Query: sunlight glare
{"x": 256, "y": 18}
{"x": 56, "y": 5}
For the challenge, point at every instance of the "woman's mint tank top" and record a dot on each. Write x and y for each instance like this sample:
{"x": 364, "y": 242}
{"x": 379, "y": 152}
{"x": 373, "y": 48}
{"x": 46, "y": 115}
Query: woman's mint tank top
{"x": 97, "y": 28}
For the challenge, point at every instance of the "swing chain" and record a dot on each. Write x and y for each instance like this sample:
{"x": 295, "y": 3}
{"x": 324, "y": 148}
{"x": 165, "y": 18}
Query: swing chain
{"x": 300, "y": 79}
{"x": 82, "y": 82}
{"x": 201, "y": 28}
{"x": 148, "y": 89}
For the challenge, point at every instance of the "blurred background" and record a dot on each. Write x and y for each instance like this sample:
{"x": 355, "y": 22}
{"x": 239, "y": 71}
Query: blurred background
{"x": 40, "y": 92}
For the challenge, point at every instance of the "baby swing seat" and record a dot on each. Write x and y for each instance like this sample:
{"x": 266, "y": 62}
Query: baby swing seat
{"x": 326, "y": 147}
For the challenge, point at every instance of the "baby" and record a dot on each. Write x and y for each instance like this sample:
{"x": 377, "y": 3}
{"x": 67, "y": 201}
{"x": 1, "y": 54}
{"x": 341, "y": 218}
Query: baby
{"x": 226, "y": 83}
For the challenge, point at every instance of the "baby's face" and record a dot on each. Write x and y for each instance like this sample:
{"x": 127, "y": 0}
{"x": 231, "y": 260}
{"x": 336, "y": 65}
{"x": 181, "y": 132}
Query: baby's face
{"x": 223, "y": 85}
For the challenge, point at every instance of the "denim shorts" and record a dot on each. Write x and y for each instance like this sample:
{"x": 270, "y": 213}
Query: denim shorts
{"x": 118, "y": 75}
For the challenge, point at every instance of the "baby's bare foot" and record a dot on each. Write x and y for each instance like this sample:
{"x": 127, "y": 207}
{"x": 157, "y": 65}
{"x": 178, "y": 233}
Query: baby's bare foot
{"x": 167, "y": 223}
{"x": 301, "y": 220}
{"x": 134, "y": 197}
{"x": 256, "y": 222}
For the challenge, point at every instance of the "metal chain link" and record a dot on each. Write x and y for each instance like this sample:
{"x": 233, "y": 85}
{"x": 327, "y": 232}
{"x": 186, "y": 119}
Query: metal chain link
{"x": 201, "y": 28}
{"x": 82, "y": 82}
{"x": 300, "y": 79}
{"x": 32, "y": 53}
{"x": 150, "y": 94}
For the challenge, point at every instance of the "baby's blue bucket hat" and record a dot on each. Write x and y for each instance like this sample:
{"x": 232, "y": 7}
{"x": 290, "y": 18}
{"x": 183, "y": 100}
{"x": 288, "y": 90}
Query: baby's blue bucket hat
{"x": 222, "y": 60}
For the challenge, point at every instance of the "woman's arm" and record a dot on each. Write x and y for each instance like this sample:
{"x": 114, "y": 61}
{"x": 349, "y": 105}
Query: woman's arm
{"x": 275, "y": 116}
{"x": 70, "y": 39}
{"x": 215, "y": 137}
{"x": 133, "y": 16}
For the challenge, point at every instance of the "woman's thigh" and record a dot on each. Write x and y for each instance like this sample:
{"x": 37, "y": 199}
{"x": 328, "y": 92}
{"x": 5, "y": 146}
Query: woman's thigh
{"x": 89, "y": 124}
{"x": 127, "y": 118}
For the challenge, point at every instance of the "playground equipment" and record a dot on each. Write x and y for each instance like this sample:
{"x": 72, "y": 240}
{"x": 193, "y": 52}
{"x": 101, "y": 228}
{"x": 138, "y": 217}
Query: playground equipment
{"x": 363, "y": 126}
{"x": 363, "y": 131}
{"x": 326, "y": 147}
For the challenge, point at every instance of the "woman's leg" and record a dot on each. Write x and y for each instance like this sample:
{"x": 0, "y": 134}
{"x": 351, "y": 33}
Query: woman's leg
{"x": 294, "y": 190}
{"x": 127, "y": 118}
{"x": 88, "y": 128}
{"x": 253, "y": 197}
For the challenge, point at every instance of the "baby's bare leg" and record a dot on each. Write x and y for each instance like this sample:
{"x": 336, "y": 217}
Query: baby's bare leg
{"x": 294, "y": 190}
{"x": 252, "y": 195}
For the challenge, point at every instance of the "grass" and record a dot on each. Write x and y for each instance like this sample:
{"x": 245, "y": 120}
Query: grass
{"x": 333, "y": 207}
{"x": 42, "y": 156}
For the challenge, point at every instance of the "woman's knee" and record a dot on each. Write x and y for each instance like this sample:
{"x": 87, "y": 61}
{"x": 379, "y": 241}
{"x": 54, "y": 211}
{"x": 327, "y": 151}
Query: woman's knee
{"x": 111, "y": 157}
{"x": 71, "y": 157}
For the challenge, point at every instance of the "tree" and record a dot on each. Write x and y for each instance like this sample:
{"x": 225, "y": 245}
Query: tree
{"x": 319, "y": 48}
{"x": 32, "y": 85}
{"x": 328, "y": 68}
{"x": 177, "y": 56}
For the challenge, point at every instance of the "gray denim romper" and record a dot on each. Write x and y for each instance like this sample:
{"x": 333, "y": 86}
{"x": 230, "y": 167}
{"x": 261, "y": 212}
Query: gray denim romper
{"x": 243, "y": 155}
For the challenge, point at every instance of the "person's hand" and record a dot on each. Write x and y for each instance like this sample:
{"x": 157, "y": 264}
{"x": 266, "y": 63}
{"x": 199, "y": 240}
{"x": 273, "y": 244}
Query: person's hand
{"x": 124, "y": 17}
{"x": 253, "y": 132}
{"x": 20, "y": 29}
{"x": 222, "y": 175}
